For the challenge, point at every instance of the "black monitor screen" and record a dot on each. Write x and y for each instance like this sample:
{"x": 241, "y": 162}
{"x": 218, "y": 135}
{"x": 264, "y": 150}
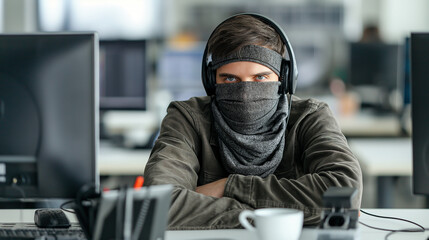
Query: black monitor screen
{"x": 420, "y": 113}
{"x": 123, "y": 74}
{"x": 375, "y": 73}
{"x": 48, "y": 114}
{"x": 374, "y": 64}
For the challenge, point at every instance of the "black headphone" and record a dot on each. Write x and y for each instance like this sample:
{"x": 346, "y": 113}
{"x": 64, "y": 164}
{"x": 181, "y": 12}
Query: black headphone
{"x": 288, "y": 71}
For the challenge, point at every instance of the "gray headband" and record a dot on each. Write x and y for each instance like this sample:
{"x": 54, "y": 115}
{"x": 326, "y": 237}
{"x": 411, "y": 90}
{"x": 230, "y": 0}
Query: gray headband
{"x": 252, "y": 53}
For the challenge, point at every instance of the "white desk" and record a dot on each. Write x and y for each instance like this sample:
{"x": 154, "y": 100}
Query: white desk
{"x": 367, "y": 125}
{"x": 121, "y": 161}
{"x": 384, "y": 158}
{"x": 420, "y": 216}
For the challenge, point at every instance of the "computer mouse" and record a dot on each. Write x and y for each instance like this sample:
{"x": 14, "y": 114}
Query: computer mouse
{"x": 51, "y": 218}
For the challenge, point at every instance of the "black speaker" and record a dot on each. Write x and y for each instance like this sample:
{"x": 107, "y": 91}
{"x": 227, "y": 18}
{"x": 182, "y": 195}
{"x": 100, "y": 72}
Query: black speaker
{"x": 288, "y": 72}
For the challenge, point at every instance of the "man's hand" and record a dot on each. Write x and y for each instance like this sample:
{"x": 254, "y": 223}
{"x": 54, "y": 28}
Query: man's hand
{"x": 213, "y": 189}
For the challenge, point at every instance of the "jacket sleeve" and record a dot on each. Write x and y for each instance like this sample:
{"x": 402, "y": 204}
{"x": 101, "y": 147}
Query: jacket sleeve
{"x": 174, "y": 160}
{"x": 325, "y": 160}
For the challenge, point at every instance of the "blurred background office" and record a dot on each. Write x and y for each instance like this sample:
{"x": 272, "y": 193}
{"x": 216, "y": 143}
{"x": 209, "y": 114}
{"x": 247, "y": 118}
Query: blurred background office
{"x": 352, "y": 54}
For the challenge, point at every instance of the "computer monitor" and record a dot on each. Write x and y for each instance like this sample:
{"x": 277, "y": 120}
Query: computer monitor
{"x": 179, "y": 72}
{"x": 420, "y": 113}
{"x": 374, "y": 72}
{"x": 123, "y": 72}
{"x": 48, "y": 117}
{"x": 407, "y": 72}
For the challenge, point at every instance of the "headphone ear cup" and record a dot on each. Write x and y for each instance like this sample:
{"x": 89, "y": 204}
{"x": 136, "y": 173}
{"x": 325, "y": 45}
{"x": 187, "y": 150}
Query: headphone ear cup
{"x": 293, "y": 78}
{"x": 211, "y": 80}
{"x": 284, "y": 76}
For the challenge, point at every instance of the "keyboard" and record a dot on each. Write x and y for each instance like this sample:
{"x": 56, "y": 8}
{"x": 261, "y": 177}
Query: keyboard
{"x": 15, "y": 231}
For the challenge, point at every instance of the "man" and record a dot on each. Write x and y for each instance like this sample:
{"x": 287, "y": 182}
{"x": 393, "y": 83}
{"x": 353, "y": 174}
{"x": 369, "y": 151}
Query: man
{"x": 246, "y": 145}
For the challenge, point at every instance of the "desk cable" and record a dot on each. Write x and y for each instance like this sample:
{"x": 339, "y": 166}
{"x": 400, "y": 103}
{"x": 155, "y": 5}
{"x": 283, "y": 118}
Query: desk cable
{"x": 67, "y": 210}
{"x": 393, "y": 231}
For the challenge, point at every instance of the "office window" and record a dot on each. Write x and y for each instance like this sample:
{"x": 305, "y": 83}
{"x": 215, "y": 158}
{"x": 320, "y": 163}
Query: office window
{"x": 125, "y": 19}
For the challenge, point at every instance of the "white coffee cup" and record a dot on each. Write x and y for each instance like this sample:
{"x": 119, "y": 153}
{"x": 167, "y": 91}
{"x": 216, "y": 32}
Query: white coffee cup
{"x": 274, "y": 223}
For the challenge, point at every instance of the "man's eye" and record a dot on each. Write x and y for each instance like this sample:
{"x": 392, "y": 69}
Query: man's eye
{"x": 261, "y": 77}
{"x": 230, "y": 79}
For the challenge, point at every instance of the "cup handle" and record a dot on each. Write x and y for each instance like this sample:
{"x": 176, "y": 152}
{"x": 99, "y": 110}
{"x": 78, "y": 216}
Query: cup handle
{"x": 243, "y": 219}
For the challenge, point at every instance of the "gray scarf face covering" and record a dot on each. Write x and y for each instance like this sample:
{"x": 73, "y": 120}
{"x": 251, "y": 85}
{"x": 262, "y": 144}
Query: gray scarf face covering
{"x": 250, "y": 119}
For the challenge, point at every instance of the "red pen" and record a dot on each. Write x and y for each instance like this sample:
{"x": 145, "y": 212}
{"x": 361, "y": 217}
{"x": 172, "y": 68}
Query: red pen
{"x": 139, "y": 182}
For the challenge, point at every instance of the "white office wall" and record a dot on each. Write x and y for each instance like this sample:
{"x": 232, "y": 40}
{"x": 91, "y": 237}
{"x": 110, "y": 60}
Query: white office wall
{"x": 395, "y": 18}
{"x": 19, "y": 15}
{"x": 53, "y": 19}
{"x": 398, "y": 18}
{"x": 1, "y": 16}
{"x": 353, "y": 15}
{"x": 371, "y": 11}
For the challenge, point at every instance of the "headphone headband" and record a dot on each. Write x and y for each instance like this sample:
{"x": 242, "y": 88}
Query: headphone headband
{"x": 289, "y": 70}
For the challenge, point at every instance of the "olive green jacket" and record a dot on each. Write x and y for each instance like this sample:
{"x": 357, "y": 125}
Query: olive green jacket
{"x": 186, "y": 155}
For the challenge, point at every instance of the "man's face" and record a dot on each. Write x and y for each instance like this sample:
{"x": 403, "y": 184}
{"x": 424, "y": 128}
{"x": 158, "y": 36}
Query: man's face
{"x": 244, "y": 72}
